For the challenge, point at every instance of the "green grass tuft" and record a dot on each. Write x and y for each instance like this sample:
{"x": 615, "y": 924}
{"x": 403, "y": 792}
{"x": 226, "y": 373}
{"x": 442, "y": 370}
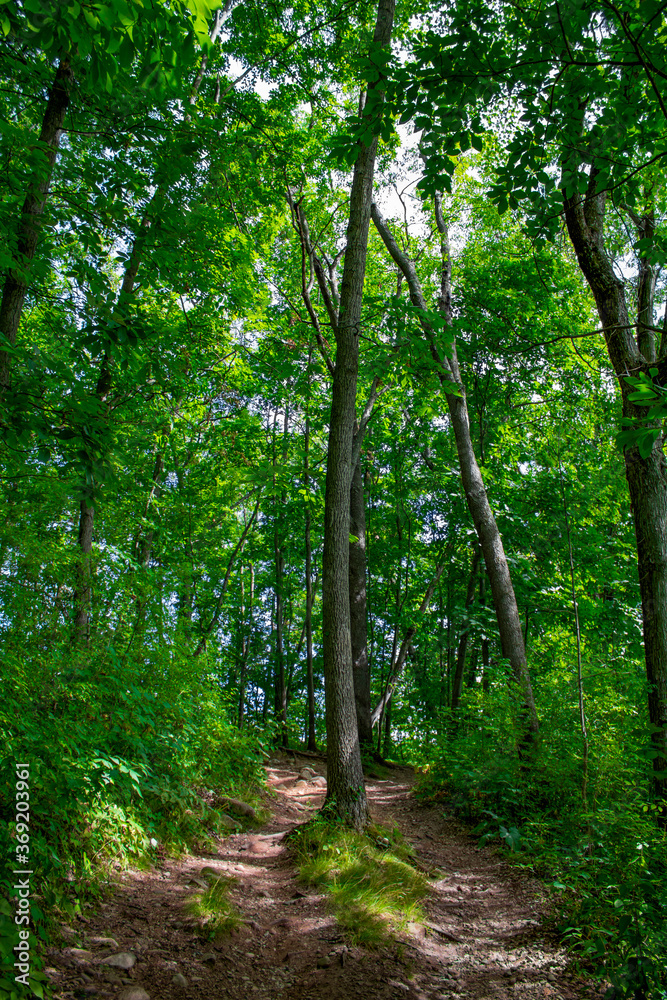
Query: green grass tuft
{"x": 214, "y": 909}
{"x": 372, "y": 886}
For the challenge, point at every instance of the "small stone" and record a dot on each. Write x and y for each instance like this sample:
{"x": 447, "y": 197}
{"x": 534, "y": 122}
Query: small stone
{"x": 208, "y": 957}
{"x": 108, "y": 942}
{"x": 112, "y": 977}
{"x": 306, "y": 772}
{"x": 323, "y": 962}
{"x": 134, "y": 993}
{"x": 179, "y": 979}
{"x": 124, "y": 960}
{"x": 319, "y": 781}
{"x": 301, "y": 783}
{"x": 82, "y": 954}
{"x": 228, "y": 822}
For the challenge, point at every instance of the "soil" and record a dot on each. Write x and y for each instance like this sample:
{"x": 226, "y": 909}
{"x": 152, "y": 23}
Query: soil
{"x": 486, "y": 936}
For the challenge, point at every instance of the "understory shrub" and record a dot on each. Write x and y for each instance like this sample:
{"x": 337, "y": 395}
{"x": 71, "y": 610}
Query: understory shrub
{"x": 124, "y": 764}
{"x": 599, "y": 845}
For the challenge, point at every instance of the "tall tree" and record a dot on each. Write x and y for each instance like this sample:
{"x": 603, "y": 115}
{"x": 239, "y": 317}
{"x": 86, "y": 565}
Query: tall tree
{"x": 504, "y": 598}
{"x": 346, "y": 794}
{"x": 589, "y": 132}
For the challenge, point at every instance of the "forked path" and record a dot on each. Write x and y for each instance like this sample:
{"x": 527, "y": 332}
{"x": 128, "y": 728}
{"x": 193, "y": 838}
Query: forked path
{"x": 483, "y": 937}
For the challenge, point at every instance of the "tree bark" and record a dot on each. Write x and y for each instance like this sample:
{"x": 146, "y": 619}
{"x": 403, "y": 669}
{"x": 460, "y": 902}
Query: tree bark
{"x": 280, "y": 688}
{"x": 346, "y": 795}
{"x": 646, "y": 477}
{"x": 16, "y": 282}
{"x": 507, "y": 612}
{"x": 358, "y": 610}
{"x": 310, "y": 677}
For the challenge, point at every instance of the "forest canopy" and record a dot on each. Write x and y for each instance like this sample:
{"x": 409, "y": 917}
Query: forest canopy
{"x": 333, "y": 368}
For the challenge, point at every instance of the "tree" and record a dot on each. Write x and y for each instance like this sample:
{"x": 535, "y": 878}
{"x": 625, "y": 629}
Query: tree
{"x": 486, "y": 527}
{"x": 588, "y": 133}
{"x": 345, "y": 789}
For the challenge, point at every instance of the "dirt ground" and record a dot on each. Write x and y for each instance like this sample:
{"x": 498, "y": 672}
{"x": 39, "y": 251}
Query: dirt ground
{"x": 484, "y": 937}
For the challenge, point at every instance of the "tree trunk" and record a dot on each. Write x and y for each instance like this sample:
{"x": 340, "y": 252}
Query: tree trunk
{"x": 646, "y": 477}
{"x": 457, "y": 684}
{"x": 245, "y": 646}
{"x": 358, "y": 613}
{"x": 310, "y": 678}
{"x": 386, "y": 746}
{"x": 398, "y": 658}
{"x": 144, "y": 548}
{"x": 83, "y": 573}
{"x": 16, "y": 282}
{"x": 280, "y": 683}
{"x": 346, "y": 794}
{"x": 507, "y": 612}
{"x": 215, "y": 618}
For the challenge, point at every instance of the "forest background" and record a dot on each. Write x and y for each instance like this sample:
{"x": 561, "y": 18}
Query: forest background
{"x": 467, "y": 549}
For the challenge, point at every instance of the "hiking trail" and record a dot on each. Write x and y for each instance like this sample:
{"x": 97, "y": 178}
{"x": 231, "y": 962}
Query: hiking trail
{"x": 484, "y": 936}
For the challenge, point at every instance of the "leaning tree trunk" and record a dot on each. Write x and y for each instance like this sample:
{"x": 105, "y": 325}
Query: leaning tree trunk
{"x": 82, "y": 570}
{"x": 504, "y": 599}
{"x": 358, "y": 612}
{"x": 16, "y": 282}
{"x": 646, "y": 477}
{"x": 346, "y": 794}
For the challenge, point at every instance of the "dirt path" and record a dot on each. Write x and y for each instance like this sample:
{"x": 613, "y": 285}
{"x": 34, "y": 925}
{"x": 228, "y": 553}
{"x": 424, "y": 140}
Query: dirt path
{"x": 483, "y": 938}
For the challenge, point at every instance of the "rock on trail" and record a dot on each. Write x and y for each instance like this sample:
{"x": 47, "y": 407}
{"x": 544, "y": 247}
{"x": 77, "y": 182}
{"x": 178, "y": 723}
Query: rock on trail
{"x": 482, "y": 938}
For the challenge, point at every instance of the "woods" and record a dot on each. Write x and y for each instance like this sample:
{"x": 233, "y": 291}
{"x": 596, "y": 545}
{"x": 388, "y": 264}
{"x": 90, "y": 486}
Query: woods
{"x": 332, "y": 389}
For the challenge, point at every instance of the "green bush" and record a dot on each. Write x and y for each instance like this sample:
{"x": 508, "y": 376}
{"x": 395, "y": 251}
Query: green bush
{"x": 126, "y": 760}
{"x": 605, "y": 859}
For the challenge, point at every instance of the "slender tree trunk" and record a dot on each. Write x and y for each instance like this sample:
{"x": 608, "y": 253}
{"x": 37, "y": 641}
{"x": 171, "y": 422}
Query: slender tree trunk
{"x": 101, "y": 395}
{"x": 457, "y": 684}
{"x": 507, "y": 612}
{"x": 346, "y": 794}
{"x": 646, "y": 477}
{"x": 83, "y": 573}
{"x": 386, "y": 747}
{"x": 245, "y": 647}
{"x": 358, "y": 610}
{"x": 279, "y": 561}
{"x": 471, "y": 677}
{"x": 215, "y": 618}
{"x": 144, "y": 548}
{"x": 16, "y": 282}
{"x": 398, "y": 658}
{"x": 310, "y": 676}
{"x": 577, "y": 632}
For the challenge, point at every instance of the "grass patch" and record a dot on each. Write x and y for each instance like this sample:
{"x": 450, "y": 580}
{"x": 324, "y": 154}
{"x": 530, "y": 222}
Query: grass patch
{"x": 213, "y": 908}
{"x": 372, "y": 886}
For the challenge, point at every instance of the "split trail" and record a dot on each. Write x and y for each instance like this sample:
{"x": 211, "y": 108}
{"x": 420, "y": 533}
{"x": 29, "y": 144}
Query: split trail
{"x": 484, "y": 936}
